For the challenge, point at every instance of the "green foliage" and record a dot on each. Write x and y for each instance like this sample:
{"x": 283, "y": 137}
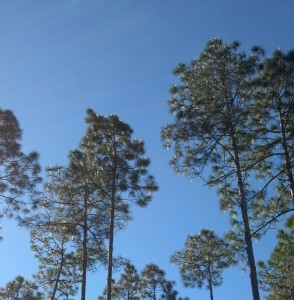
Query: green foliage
{"x": 202, "y": 261}
{"x": 168, "y": 291}
{"x": 127, "y": 287}
{"x": 277, "y": 275}
{"x": 152, "y": 281}
{"x": 116, "y": 166}
{"x": 212, "y": 130}
{"x": 75, "y": 219}
{"x": 20, "y": 289}
{"x": 212, "y": 125}
{"x": 234, "y": 114}
{"x": 272, "y": 117}
{"x": 115, "y": 162}
{"x": 58, "y": 268}
{"x": 19, "y": 172}
{"x": 210, "y": 100}
{"x": 151, "y": 284}
{"x": 77, "y": 210}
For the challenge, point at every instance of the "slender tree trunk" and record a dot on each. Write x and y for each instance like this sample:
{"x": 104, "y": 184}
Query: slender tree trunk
{"x": 112, "y": 216}
{"x": 110, "y": 245}
{"x": 210, "y": 284}
{"x": 85, "y": 250}
{"x": 245, "y": 219}
{"x": 210, "y": 290}
{"x": 58, "y": 275}
{"x": 286, "y": 152}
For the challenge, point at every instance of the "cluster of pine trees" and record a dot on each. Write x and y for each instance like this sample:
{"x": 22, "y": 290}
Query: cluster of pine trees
{"x": 82, "y": 204}
{"x": 149, "y": 284}
{"x": 233, "y": 128}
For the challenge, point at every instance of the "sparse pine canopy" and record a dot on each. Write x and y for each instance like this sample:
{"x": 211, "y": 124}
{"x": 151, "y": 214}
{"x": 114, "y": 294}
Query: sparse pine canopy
{"x": 110, "y": 152}
{"x": 233, "y": 115}
{"x": 277, "y": 275}
{"x": 127, "y": 287}
{"x": 152, "y": 282}
{"x": 211, "y": 130}
{"x": 19, "y": 172}
{"x": 84, "y": 202}
{"x": 51, "y": 242}
{"x": 115, "y": 165}
{"x": 75, "y": 219}
{"x": 20, "y": 289}
{"x": 203, "y": 260}
{"x": 272, "y": 116}
{"x": 168, "y": 291}
{"x": 149, "y": 284}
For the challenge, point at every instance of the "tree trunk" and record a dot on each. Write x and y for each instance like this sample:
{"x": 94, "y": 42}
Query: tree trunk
{"x": 110, "y": 247}
{"x": 85, "y": 252}
{"x": 112, "y": 216}
{"x": 210, "y": 290}
{"x": 245, "y": 219}
{"x": 286, "y": 152}
{"x": 210, "y": 283}
{"x": 58, "y": 275}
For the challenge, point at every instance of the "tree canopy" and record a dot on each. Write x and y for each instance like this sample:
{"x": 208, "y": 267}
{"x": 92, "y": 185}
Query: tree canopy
{"x": 212, "y": 130}
{"x": 277, "y": 275}
{"x": 203, "y": 259}
{"x": 19, "y": 172}
{"x": 233, "y": 128}
{"x": 20, "y": 289}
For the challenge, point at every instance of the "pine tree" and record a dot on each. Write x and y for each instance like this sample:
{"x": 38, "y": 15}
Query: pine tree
{"x": 58, "y": 268}
{"x": 212, "y": 129}
{"x": 117, "y": 169}
{"x": 273, "y": 119}
{"x": 19, "y": 171}
{"x": 78, "y": 215}
{"x": 168, "y": 291}
{"x": 277, "y": 275}
{"x": 152, "y": 281}
{"x": 20, "y": 289}
{"x": 127, "y": 287}
{"x": 202, "y": 261}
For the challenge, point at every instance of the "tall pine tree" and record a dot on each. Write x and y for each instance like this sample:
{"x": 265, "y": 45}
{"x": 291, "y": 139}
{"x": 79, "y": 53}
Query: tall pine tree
{"x": 58, "y": 274}
{"x": 78, "y": 214}
{"x": 212, "y": 129}
{"x": 115, "y": 167}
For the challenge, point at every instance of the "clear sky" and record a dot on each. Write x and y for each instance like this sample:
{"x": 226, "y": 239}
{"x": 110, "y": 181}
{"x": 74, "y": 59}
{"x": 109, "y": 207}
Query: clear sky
{"x": 57, "y": 58}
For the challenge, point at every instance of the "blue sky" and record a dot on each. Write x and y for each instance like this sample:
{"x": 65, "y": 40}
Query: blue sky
{"x": 57, "y": 58}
